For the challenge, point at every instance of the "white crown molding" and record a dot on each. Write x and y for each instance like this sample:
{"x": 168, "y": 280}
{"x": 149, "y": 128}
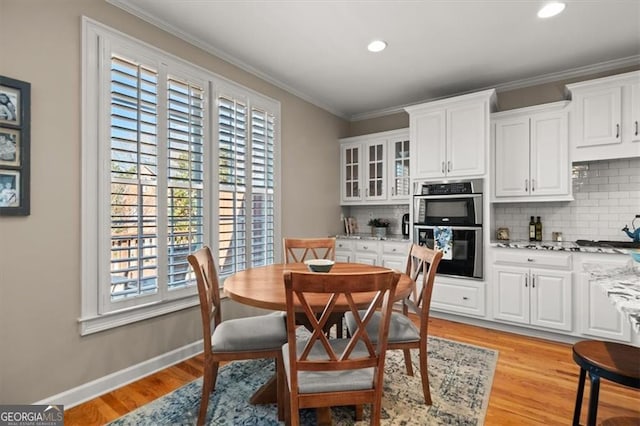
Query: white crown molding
{"x": 131, "y": 8}
{"x": 517, "y": 84}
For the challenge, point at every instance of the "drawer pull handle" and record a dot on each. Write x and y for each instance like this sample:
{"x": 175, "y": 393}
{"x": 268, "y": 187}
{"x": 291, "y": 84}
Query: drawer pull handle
{"x": 465, "y": 298}
{"x": 617, "y": 130}
{"x": 530, "y": 259}
{"x": 365, "y": 247}
{"x": 526, "y": 281}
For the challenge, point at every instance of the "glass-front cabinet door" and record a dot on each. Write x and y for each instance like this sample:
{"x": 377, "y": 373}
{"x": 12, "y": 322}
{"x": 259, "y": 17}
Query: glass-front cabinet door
{"x": 400, "y": 177}
{"x": 375, "y": 169}
{"x": 351, "y": 172}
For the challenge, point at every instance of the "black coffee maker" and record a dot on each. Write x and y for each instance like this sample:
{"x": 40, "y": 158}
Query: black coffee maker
{"x": 405, "y": 224}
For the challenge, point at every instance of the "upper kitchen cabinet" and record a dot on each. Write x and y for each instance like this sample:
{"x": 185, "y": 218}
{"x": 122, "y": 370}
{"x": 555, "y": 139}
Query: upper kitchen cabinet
{"x": 450, "y": 136}
{"x": 531, "y": 154}
{"x": 375, "y": 168}
{"x": 605, "y": 118}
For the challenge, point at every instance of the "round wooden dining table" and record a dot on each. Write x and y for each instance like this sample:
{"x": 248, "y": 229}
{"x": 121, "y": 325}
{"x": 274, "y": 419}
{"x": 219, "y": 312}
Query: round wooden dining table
{"x": 263, "y": 287}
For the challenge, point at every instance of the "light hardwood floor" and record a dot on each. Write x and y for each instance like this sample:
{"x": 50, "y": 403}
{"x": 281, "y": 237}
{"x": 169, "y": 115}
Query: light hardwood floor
{"x": 534, "y": 384}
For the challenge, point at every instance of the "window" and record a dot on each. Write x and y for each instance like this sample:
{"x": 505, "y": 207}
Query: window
{"x": 174, "y": 157}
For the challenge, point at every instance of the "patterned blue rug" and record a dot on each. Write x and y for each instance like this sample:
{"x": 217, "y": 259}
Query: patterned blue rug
{"x": 460, "y": 376}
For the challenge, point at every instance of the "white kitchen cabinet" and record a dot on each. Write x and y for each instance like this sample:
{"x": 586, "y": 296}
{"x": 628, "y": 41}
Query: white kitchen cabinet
{"x": 533, "y": 288}
{"x": 344, "y": 250}
{"x": 597, "y": 316}
{"x": 459, "y": 296}
{"x": 605, "y": 118}
{"x": 374, "y": 169}
{"x": 531, "y": 154}
{"x": 450, "y": 137}
{"x": 390, "y": 254}
{"x": 394, "y": 255}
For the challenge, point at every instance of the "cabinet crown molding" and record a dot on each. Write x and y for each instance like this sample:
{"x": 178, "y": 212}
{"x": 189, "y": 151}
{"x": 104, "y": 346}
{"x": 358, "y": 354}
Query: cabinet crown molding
{"x": 489, "y": 95}
{"x": 552, "y": 106}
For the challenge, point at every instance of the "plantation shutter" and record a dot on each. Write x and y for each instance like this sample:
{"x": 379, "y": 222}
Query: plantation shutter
{"x": 262, "y": 187}
{"x": 232, "y": 190}
{"x": 185, "y": 180}
{"x": 134, "y": 179}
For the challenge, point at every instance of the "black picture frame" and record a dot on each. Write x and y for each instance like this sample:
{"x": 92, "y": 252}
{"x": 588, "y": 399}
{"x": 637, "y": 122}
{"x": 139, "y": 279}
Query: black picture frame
{"x": 15, "y": 128}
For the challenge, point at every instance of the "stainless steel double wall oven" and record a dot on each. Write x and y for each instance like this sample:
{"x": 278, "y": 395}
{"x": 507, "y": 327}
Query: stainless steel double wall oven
{"x": 455, "y": 204}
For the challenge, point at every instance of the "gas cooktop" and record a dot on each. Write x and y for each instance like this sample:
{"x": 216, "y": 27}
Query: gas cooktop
{"x": 607, "y": 243}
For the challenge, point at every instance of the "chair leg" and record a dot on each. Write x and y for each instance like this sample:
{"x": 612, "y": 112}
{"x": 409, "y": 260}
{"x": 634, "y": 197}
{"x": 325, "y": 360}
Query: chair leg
{"x": 424, "y": 374}
{"x": 208, "y": 383}
{"x": 280, "y": 384}
{"x": 579, "y": 395}
{"x": 359, "y": 409}
{"x": 593, "y": 400}
{"x": 407, "y": 362}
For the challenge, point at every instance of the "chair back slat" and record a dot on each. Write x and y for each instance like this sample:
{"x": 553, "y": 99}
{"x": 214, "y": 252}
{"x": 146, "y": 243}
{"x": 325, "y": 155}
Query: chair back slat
{"x": 311, "y": 293}
{"x": 297, "y": 250}
{"x": 422, "y": 264}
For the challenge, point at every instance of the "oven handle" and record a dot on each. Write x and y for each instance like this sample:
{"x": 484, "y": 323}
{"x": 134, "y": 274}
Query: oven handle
{"x": 453, "y": 227}
{"x": 441, "y": 197}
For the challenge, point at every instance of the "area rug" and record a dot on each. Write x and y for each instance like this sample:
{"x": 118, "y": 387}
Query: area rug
{"x": 460, "y": 376}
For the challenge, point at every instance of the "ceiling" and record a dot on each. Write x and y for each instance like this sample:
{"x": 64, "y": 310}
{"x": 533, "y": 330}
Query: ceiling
{"x": 316, "y": 49}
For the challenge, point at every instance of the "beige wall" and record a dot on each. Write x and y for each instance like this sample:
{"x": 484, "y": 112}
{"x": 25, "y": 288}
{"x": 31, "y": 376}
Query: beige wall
{"x": 42, "y": 353}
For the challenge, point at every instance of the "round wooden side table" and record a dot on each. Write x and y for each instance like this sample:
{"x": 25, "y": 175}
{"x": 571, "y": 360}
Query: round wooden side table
{"x": 616, "y": 362}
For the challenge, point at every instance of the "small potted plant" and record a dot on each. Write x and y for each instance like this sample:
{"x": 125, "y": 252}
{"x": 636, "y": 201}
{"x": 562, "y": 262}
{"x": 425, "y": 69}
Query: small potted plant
{"x": 379, "y": 227}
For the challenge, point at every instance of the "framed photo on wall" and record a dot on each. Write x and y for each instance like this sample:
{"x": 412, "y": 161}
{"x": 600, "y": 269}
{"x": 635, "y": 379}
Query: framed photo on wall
{"x": 15, "y": 138}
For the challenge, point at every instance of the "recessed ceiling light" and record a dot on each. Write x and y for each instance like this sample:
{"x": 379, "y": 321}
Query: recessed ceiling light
{"x": 551, "y": 9}
{"x": 377, "y": 46}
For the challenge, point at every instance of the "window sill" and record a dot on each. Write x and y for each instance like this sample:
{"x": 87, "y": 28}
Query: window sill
{"x": 98, "y": 323}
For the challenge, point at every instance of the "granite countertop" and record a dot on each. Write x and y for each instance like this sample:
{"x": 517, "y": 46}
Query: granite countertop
{"x": 368, "y": 236}
{"x": 622, "y": 286}
{"x": 557, "y": 246}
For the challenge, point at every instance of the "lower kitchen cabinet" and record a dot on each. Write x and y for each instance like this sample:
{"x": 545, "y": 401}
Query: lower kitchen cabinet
{"x": 344, "y": 251}
{"x": 597, "y": 316}
{"x": 390, "y": 254}
{"x": 458, "y": 296}
{"x": 527, "y": 290}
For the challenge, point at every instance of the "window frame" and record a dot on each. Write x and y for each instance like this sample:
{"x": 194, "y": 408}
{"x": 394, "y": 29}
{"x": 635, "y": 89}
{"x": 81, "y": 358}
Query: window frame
{"x": 97, "y": 313}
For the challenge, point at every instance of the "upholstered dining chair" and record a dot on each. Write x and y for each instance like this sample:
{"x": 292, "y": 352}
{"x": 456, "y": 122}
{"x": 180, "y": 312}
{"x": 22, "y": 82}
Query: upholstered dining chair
{"x": 297, "y": 250}
{"x": 403, "y": 333}
{"x": 323, "y": 372}
{"x": 231, "y": 340}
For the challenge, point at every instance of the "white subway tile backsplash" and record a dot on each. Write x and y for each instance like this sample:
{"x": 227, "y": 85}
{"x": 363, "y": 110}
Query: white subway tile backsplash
{"x": 607, "y": 197}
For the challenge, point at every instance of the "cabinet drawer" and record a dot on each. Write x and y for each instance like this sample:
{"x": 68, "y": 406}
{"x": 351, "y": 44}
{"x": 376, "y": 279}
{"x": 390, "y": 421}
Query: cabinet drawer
{"x": 532, "y": 258}
{"x": 344, "y": 245}
{"x": 367, "y": 246}
{"x": 468, "y": 299}
{"x": 395, "y": 249}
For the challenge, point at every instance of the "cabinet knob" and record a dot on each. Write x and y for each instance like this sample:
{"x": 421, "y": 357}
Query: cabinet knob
{"x": 365, "y": 247}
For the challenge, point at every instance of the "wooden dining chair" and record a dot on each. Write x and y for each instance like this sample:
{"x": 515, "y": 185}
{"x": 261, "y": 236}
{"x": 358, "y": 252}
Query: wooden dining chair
{"x": 403, "y": 333}
{"x": 297, "y": 250}
{"x": 323, "y": 372}
{"x": 231, "y": 340}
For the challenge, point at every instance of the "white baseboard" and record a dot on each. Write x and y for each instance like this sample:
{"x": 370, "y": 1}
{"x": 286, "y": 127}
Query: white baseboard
{"x": 95, "y": 388}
